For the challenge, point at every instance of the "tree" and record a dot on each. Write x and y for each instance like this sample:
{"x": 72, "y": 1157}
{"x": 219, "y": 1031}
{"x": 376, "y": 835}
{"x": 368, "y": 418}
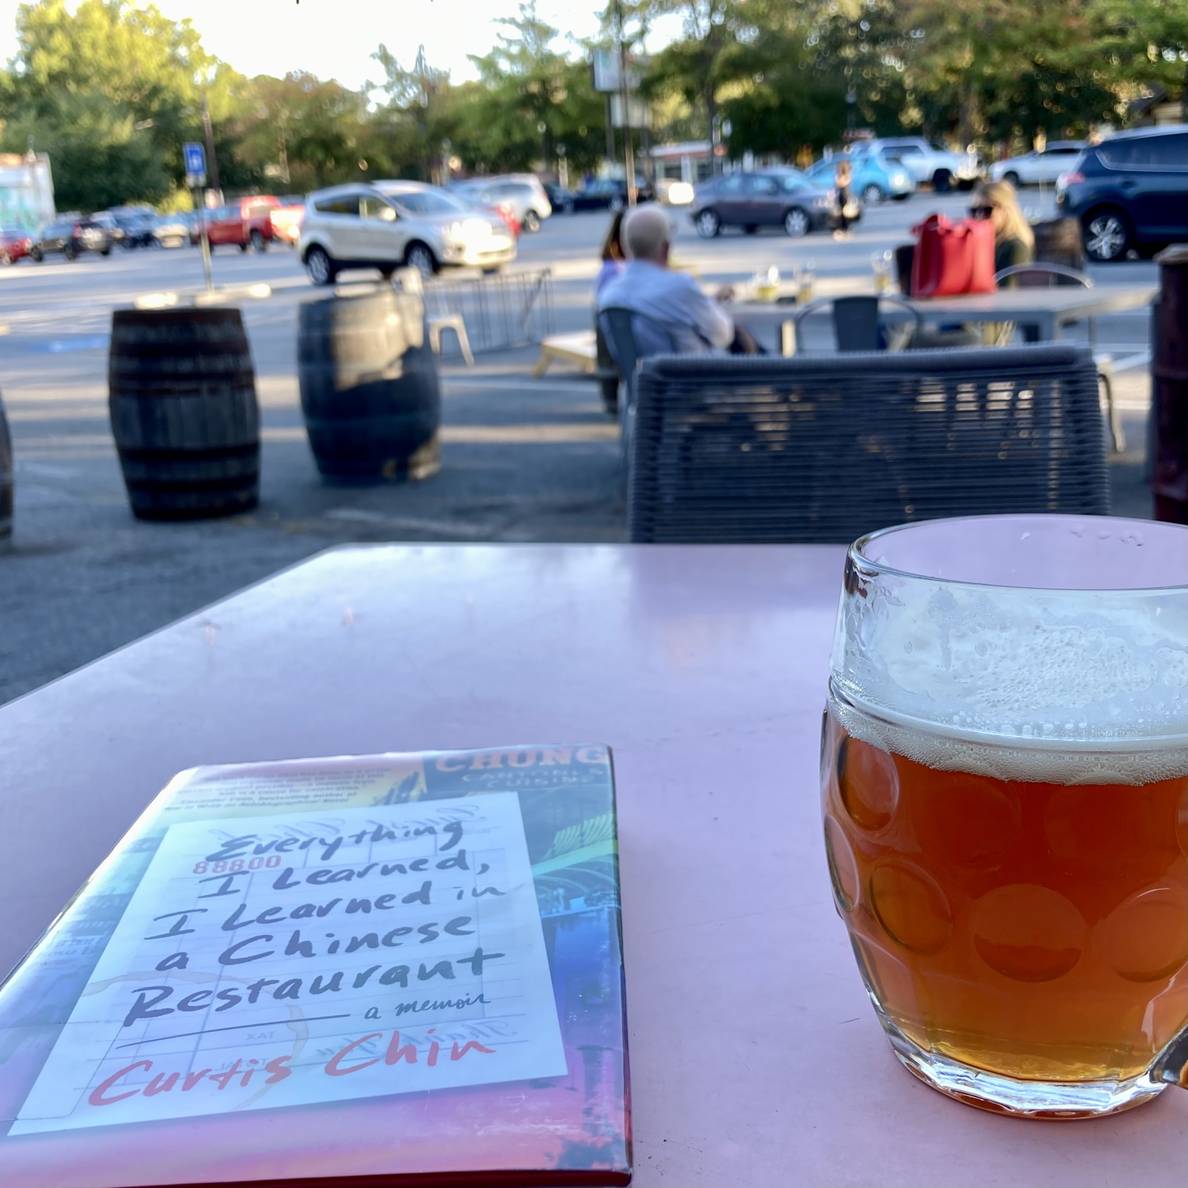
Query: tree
{"x": 110, "y": 91}
{"x": 300, "y": 131}
{"x": 696, "y": 65}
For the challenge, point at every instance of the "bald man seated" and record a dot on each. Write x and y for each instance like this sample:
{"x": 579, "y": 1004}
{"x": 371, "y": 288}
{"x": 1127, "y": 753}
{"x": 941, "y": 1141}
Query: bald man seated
{"x": 678, "y": 316}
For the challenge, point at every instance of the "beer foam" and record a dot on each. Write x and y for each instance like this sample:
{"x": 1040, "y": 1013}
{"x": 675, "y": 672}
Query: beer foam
{"x": 1038, "y": 685}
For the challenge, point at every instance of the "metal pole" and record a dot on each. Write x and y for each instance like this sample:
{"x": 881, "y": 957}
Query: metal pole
{"x": 625, "y": 103}
{"x": 203, "y": 238}
{"x": 212, "y": 162}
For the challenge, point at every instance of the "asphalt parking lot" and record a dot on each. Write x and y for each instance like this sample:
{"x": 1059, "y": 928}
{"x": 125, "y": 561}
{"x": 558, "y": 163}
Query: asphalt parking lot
{"x": 523, "y": 460}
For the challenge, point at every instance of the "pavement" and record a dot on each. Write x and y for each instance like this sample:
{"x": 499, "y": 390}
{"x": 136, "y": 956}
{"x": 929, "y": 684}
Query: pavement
{"x": 523, "y": 459}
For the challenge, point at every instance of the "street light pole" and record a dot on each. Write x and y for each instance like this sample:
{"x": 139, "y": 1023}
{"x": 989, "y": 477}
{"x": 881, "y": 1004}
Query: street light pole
{"x": 625, "y": 105}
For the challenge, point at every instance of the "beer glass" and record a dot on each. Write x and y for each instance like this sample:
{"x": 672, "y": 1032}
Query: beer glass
{"x": 1004, "y": 772}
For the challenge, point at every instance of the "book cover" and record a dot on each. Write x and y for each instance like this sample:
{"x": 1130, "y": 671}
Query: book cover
{"x": 389, "y": 968}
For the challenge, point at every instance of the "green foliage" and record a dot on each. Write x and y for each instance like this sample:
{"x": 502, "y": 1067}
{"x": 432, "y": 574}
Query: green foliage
{"x": 111, "y": 89}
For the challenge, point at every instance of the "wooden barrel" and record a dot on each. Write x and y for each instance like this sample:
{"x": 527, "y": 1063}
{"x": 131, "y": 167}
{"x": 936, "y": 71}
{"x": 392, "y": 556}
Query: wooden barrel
{"x": 1058, "y": 241}
{"x": 182, "y": 396}
{"x": 369, "y": 386}
{"x": 5, "y": 478}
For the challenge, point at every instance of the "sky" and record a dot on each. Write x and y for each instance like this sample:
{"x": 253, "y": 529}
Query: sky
{"x": 335, "y": 38}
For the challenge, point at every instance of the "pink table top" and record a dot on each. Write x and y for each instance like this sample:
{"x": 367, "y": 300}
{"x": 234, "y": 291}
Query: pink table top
{"x": 755, "y": 1057}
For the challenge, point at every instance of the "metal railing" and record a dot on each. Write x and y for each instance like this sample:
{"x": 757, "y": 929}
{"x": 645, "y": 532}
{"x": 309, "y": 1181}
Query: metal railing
{"x": 501, "y": 311}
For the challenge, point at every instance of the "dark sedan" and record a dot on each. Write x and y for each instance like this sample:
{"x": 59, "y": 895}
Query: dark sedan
{"x": 771, "y": 198}
{"x": 1130, "y": 191}
{"x": 71, "y": 235}
{"x": 609, "y": 193}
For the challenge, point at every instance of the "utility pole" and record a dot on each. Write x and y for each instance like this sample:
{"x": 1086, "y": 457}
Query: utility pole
{"x": 625, "y": 105}
{"x": 212, "y": 162}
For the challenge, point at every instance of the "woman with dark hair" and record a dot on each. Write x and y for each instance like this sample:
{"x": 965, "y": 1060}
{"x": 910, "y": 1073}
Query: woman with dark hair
{"x": 613, "y": 255}
{"x": 613, "y": 259}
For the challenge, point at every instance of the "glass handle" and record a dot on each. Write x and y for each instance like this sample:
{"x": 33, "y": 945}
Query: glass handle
{"x": 1171, "y": 1065}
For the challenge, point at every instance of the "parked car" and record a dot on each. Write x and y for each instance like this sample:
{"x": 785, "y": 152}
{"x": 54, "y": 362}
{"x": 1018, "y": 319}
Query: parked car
{"x": 610, "y": 193}
{"x": 393, "y": 224}
{"x": 131, "y": 226}
{"x": 1130, "y": 191}
{"x": 560, "y": 197}
{"x": 173, "y": 230}
{"x": 928, "y": 163}
{"x": 542, "y": 203}
{"x": 245, "y": 222}
{"x": 877, "y": 177}
{"x": 771, "y": 198}
{"x": 520, "y": 198}
{"x": 14, "y": 245}
{"x": 72, "y": 235}
{"x": 286, "y": 218}
{"x": 1040, "y": 166}
{"x": 673, "y": 192}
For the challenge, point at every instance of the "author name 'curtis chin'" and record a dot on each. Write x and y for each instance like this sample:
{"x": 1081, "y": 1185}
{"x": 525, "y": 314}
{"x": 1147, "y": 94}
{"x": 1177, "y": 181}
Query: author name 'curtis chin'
{"x": 242, "y": 1074}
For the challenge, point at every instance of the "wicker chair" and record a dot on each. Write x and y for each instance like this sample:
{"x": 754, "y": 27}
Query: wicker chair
{"x": 824, "y": 448}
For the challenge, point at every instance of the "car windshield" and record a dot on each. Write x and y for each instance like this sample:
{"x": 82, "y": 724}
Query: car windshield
{"x": 426, "y": 202}
{"x": 790, "y": 179}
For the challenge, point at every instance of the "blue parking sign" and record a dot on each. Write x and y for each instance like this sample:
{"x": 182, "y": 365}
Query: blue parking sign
{"x": 195, "y": 157}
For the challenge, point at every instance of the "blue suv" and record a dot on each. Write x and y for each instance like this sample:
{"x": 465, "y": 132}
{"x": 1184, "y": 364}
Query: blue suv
{"x": 1130, "y": 191}
{"x": 877, "y": 177}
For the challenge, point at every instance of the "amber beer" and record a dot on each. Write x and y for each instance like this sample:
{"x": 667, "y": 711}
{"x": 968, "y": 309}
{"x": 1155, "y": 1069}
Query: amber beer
{"x": 1021, "y": 909}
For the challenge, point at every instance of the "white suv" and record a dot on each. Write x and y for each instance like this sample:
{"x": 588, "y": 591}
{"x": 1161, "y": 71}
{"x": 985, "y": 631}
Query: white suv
{"x": 395, "y": 224}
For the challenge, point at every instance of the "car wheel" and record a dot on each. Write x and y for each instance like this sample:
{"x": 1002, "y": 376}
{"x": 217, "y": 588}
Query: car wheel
{"x": 873, "y": 195}
{"x": 105, "y": 251}
{"x": 319, "y": 266}
{"x": 1106, "y": 235}
{"x": 35, "y": 255}
{"x": 258, "y": 242}
{"x": 796, "y": 222}
{"x": 708, "y": 224}
{"x": 942, "y": 181}
{"x": 531, "y": 221}
{"x": 1012, "y": 177}
{"x": 418, "y": 256}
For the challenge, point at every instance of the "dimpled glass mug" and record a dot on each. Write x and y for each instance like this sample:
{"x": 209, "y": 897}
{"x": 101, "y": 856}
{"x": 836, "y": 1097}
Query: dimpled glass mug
{"x": 1004, "y": 773}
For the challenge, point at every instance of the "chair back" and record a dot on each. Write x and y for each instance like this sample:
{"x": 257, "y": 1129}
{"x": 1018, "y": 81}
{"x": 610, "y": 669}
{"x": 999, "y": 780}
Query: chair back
{"x": 1042, "y": 275}
{"x": 827, "y": 447}
{"x": 619, "y": 325}
{"x": 858, "y": 323}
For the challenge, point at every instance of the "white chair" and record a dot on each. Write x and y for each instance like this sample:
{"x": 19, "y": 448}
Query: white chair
{"x": 454, "y": 323}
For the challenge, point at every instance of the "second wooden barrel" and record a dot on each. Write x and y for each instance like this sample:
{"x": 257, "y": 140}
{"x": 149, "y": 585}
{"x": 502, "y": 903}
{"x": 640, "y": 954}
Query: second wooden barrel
{"x": 182, "y": 396}
{"x": 5, "y": 478}
{"x": 369, "y": 387}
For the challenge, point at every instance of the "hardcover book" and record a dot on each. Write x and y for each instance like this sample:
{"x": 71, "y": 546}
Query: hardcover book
{"x": 353, "y": 971}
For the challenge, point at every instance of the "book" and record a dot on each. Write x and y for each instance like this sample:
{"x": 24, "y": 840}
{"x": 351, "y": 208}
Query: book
{"x": 399, "y": 968}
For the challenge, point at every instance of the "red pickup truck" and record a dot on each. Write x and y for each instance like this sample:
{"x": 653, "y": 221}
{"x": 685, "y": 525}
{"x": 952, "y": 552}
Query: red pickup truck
{"x": 245, "y": 222}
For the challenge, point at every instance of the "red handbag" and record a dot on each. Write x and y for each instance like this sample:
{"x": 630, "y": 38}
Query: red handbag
{"x": 953, "y": 258}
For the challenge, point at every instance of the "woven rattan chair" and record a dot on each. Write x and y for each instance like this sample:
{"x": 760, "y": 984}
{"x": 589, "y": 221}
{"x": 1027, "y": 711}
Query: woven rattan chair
{"x": 824, "y": 448}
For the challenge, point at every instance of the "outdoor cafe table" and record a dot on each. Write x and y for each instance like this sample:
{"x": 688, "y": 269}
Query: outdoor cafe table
{"x": 1048, "y": 310}
{"x": 756, "y": 1060}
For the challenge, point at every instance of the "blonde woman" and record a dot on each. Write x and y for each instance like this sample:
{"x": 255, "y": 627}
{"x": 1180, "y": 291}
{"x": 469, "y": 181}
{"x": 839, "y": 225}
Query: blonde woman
{"x": 1014, "y": 242}
{"x": 843, "y": 178}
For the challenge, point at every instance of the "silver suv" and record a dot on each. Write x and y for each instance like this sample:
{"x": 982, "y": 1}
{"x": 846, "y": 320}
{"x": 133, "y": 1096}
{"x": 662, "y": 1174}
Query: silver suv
{"x": 395, "y": 224}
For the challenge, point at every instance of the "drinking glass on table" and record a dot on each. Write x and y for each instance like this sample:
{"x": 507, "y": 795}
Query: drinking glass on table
{"x": 1004, "y": 773}
{"x": 880, "y": 265}
{"x": 806, "y": 282}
